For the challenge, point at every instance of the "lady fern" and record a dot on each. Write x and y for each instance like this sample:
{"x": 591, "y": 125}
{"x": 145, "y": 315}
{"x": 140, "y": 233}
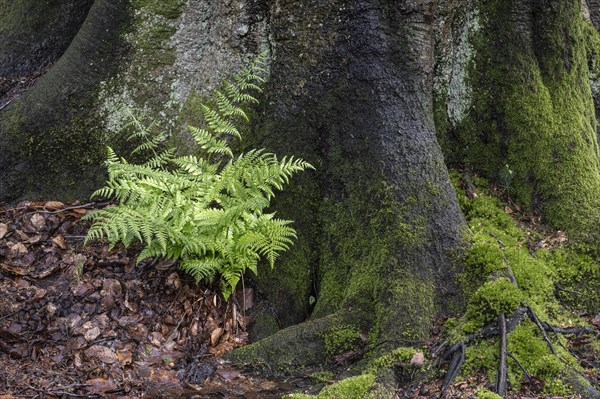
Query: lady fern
{"x": 208, "y": 215}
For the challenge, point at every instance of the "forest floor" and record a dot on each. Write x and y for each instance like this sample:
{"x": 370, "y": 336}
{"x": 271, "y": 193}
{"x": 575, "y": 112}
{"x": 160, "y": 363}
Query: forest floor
{"x": 89, "y": 321}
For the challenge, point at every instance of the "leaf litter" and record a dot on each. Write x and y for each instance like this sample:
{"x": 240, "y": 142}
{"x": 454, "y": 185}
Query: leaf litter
{"x": 88, "y": 322}
{"x": 85, "y": 322}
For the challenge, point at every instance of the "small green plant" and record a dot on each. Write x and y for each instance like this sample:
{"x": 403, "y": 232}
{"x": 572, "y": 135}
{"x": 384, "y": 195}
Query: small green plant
{"x": 78, "y": 269}
{"x": 205, "y": 211}
{"x": 505, "y": 179}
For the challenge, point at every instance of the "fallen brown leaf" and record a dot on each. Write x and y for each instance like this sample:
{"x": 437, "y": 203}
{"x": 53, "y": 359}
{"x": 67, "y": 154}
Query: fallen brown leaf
{"x": 100, "y": 386}
{"x": 19, "y": 248}
{"x": 215, "y": 335}
{"x": 59, "y": 241}
{"x": 417, "y": 359}
{"x": 38, "y": 221}
{"x": 54, "y": 205}
{"x": 102, "y": 353}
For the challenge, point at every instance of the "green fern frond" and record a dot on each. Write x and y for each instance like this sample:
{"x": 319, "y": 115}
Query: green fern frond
{"x": 202, "y": 269}
{"x": 207, "y": 141}
{"x": 218, "y": 124}
{"x": 207, "y": 214}
{"x": 238, "y": 94}
{"x": 227, "y": 108}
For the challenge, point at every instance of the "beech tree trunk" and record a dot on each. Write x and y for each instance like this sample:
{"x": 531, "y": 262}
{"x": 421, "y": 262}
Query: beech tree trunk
{"x": 359, "y": 89}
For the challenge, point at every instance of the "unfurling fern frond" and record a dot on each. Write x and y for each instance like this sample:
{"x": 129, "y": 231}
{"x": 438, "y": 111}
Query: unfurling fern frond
{"x": 206, "y": 214}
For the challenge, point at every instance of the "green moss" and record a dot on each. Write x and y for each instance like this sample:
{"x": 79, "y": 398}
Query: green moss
{"x": 170, "y": 9}
{"x": 340, "y": 339}
{"x": 481, "y": 357}
{"x": 400, "y": 355}
{"x": 362, "y": 234}
{"x": 528, "y": 346}
{"x": 44, "y": 150}
{"x": 302, "y": 346}
{"x": 498, "y": 245}
{"x": 497, "y": 248}
{"x": 263, "y": 325}
{"x": 492, "y": 298}
{"x": 487, "y": 394}
{"x": 151, "y": 44}
{"x": 578, "y": 277}
{"x": 533, "y": 112}
{"x": 416, "y": 313}
{"x": 349, "y": 388}
{"x": 322, "y": 376}
{"x": 144, "y": 87}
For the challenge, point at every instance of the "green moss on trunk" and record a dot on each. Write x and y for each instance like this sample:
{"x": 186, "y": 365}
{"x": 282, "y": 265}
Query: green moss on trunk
{"x": 533, "y": 112}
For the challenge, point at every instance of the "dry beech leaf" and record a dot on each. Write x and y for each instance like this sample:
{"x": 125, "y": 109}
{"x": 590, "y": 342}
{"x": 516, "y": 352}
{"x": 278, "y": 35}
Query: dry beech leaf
{"x": 22, "y": 235}
{"x": 59, "y": 241}
{"x": 100, "y": 386}
{"x": 38, "y": 221}
{"x": 39, "y": 294}
{"x": 417, "y": 359}
{"x": 17, "y": 271}
{"x": 215, "y": 335}
{"x": 125, "y": 356}
{"x": 54, "y": 205}
{"x": 19, "y": 248}
{"x": 3, "y": 230}
{"x": 35, "y": 239}
{"x": 102, "y": 353}
{"x": 228, "y": 374}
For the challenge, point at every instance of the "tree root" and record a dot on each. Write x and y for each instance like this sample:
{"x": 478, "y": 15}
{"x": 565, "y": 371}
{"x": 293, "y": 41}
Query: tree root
{"x": 457, "y": 352}
{"x": 501, "y": 329}
{"x": 502, "y": 364}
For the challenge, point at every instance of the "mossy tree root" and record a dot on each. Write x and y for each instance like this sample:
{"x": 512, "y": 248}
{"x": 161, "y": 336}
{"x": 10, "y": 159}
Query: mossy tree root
{"x": 306, "y": 345}
{"x": 502, "y": 364}
{"x": 457, "y": 351}
{"x": 501, "y": 329}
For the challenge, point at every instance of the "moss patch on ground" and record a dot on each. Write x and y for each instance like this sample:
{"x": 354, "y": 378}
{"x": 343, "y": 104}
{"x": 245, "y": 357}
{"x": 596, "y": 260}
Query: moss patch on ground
{"x": 349, "y": 388}
{"x": 499, "y": 248}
